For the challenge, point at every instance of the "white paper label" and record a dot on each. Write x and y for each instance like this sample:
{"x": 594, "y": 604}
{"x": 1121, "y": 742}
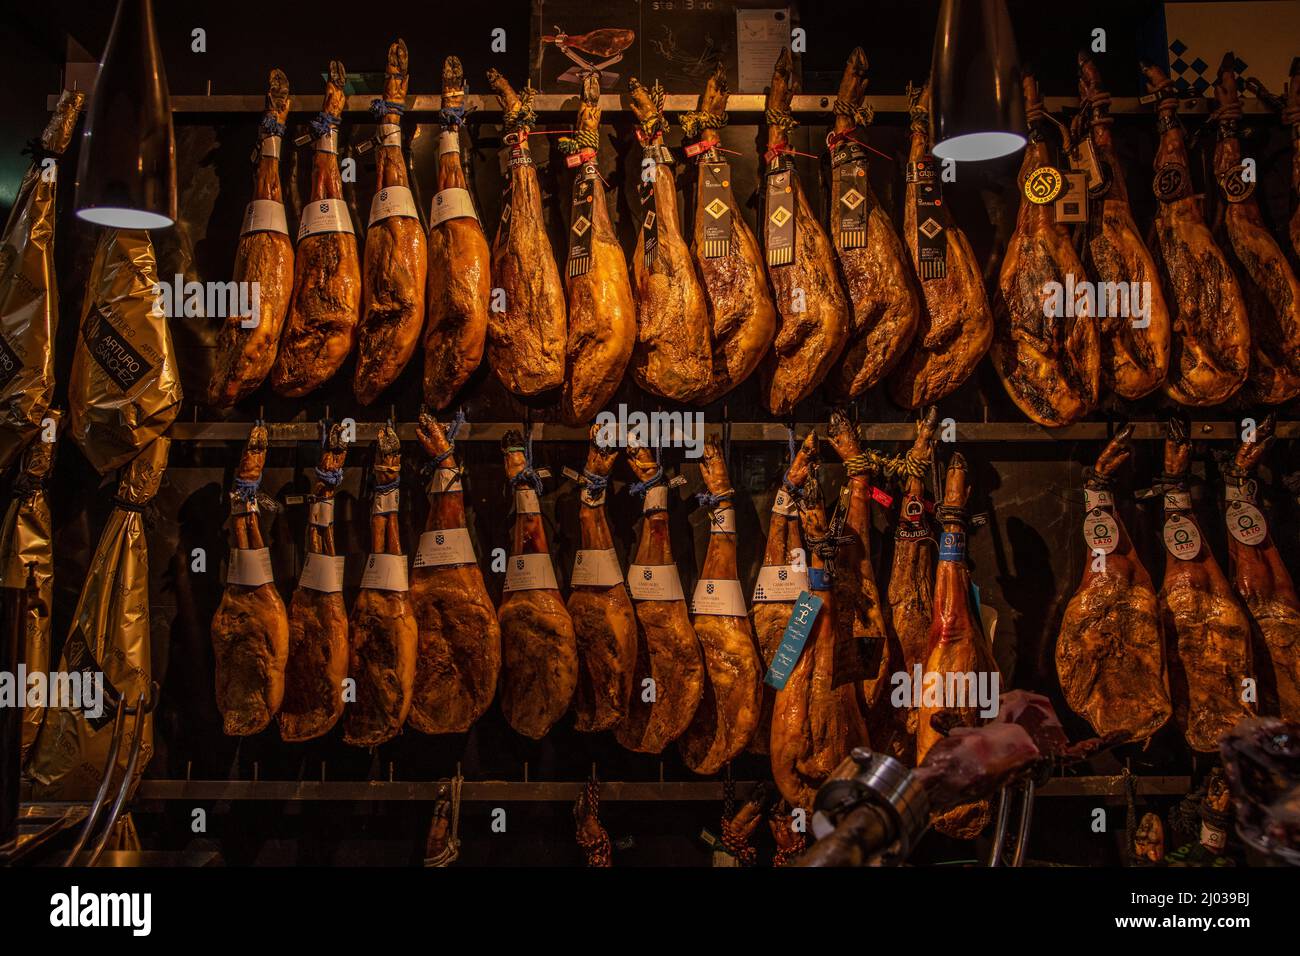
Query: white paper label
{"x": 530, "y": 572}
{"x": 655, "y": 582}
{"x": 596, "y": 500}
{"x": 264, "y": 215}
{"x": 1246, "y": 523}
{"x": 718, "y": 596}
{"x": 385, "y": 572}
{"x": 444, "y": 480}
{"x": 324, "y": 215}
{"x": 1243, "y": 492}
{"x": 452, "y": 203}
{"x": 321, "y": 513}
{"x": 779, "y": 582}
{"x": 656, "y": 499}
{"x": 392, "y": 201}
{"x": 322, "y": 572}
{"x": 448, "y": 142}
{"x": 250, "y": 567}
{"x": 1178, "y": 501}
{"x": 446, "y": 546}
{"x": 271, "y": 147}
{"x": 785, "y": 505}
{"x": 1101, "y": 531}
{"x": 1182, "y": 537}
{"x": 329, "y": 143}
{"x": 722, "y": 521}
{"x": 526, "y": 502}
{"x": 596, "y": 568}
{"x": 390, "y": 134}
{"x": 385, "y": 502}
{"x": 1097, "y": 499}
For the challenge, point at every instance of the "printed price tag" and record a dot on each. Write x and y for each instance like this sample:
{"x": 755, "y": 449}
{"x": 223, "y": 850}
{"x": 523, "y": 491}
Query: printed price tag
{"x": 722, "y": 521}
{"x": 1182, "y": 537}
{"x": 451, "y": 203}
{"x": 596, "y": 568}
{"x": 719, "y": 597}
{"x": 324, "y": 215}
{"x": 444, "y": 480}
{"x": 392, "y": 201}
{"x": 654, "y": 582}
{"x": 443, "y": 547}
{"x": 530, "y": 572}
{"x": 1100, "y": 531}
{"x": 250, "y": 567}
{"x": 802, "y": 618}
{"x": 322, "y": 572}
{"x": 1246, "y": 523}
{"x": 526, "y": 502}
{"x": 385, "y": 572}
{"x": 779, "y": 583}
{"x": 385, "y": 502}
{"x": 264, "y": 215}
{"x": 1097, "y": 499}
{"x": 321, "y": 513}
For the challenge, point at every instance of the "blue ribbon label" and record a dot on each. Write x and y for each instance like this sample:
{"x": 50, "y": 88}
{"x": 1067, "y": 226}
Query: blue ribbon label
{"x": 952, "y": 546}
{"x": 796, "y": 634}
{"x": 819, "y": 579}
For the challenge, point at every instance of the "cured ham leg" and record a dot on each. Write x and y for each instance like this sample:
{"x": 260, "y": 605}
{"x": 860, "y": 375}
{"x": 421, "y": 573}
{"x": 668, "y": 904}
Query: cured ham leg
{"x": 323, "y": 313}
{"x": 884, "y": 307}
{"x": 458, "y": 652}
{"x": 1207, "y": 629}
{"x": 669, "y": 678}
{"x": 318, "y": 619}
{"x": 1263, "y": 582}
{"x": 526, "y": 339}
{"x": 459, "y": 285}
{"x": 603, "y": 620}
{"x": 383, "y": 629}
{"x": 1049, "y": 363}
{"x": 602, "y": 315}
{"x": 1134, "y": 359}
{"x": 956, "y": 325}
{"x": 813, "y": 308}
{"x": 539, "y": 653}
{"x": 1291, "y": 115}
{"x": 733, "y": 697}
{"x": 265, "y": 256}
{"x": 957, "y": 647}
{"x": 673, "y": 356}
{"x": 815, "y": 723}
{"x": 250, "y": 632}
{"x": 392, "y": 306}
{"x": 783, "y": 576}
{"x": 742, "y": 315}
{"x": 911, "y": 576}
{"x": 1110, "y": 654}
{"x": 1268, "y": 285}
{"x": 1210, "y": 341}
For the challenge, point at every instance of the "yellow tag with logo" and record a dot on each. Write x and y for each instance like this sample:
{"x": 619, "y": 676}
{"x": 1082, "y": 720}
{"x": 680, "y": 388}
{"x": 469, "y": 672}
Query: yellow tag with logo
{"x": 1043, "y": 185}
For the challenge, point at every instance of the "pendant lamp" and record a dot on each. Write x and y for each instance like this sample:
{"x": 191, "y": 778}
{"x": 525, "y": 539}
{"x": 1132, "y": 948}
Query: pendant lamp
{"x": 976, "y": 111}
{"x": 126, "y": 176}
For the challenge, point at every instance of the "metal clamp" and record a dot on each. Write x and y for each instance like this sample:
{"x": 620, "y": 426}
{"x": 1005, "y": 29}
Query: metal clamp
{"x": 883, "y": 782}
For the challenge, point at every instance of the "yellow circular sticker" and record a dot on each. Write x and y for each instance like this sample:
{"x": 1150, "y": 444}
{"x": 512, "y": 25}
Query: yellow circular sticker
{"x": 1043, "y": 185}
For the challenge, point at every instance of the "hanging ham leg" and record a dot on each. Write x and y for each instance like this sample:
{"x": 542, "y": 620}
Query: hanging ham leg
{"x": 318, "y": 620}
{"x": 603, "y": 620}
{"x": 1110, "y": 654}
{"x": 1268, "y": 285}
{"x": 1135, "y": 357}
{"x": 814, "y": 722}
{"x": 742, "y": 314}
{"x": 733, "y": 697}
{"x": 1207, "y": 629}
{"x": 250, "y": 632}
{"x": 813, "y": 308}
{"x": 459, "y": 284}
{"x": 539, "y": 655}
{"x": 392, "y": 306}
{"x": 783, "y": 576}
{"x": 884, "y": 307}
{"x": 1291, "y": 115}
{"x": 265, "y": 256}
{"x": 458, "y": 656}
{"x": 673, "y": 356}
{"x": 1263, "y": 582}
{"x": 526, "y": 338}
{"x": 956, "y": 324}
{"x": 383, "y": 629}
{"x": 669, "y": 678}
{"x": 326, "y": 304}
{"x": 602, "y": 315}
{"x": 957, "y": 646}
{"x": 1049, "y": 363}
{"x": 1210, "y": 343}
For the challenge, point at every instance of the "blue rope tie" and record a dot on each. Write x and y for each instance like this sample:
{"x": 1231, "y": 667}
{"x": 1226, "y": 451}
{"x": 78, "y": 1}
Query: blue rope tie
{"x": 452, "y": 115}
{"x": 789, "y": 437}
{"x": 390, "y": 486}
{"x": 380, "y": 107}
{"x": 329, "y": 476}
{"x": 708, "y": 499}
{"x": 594, "y": 483}
{"x": 271, "y": 126}
{"x": 641, "y": 487}
{"x": 528, "y": 476}
{"x": 247, "y": 488}
{"x": 323, "y": 124}
{"x": 457, "y": 421}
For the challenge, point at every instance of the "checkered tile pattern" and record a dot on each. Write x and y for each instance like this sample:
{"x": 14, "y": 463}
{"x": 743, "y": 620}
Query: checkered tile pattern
{"x": 1191, "y": 72}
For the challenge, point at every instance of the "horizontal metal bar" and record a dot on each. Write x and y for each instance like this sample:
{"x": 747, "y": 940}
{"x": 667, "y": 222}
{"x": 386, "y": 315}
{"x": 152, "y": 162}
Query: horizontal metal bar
{"x": 748, "y": 103}
{"x": 289, "y": 432}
